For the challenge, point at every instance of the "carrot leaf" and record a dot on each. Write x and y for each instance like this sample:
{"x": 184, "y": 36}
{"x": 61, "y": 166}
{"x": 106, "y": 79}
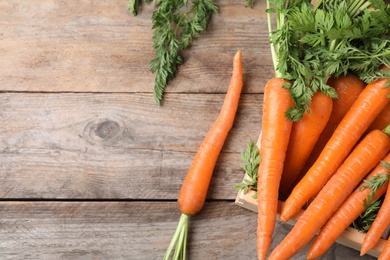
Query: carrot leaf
{"x": 314, "y": 42}
{"x": 364, "y": 221}
{"x": 176, "y": 24}
{"x": 379, "y": 74}
{"x": 372, "y": 205}
{"x": 374, "y": 183}
{"x": 135, "y": 5}
{"x": 249, "y": 3}
{"x": 250, "y": 164}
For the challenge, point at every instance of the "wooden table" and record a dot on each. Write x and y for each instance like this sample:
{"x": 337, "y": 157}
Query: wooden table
{"x": 90, "y": 167}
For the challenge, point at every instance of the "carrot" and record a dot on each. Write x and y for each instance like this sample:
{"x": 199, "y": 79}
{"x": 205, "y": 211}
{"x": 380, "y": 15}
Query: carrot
{"x": 361, "y": 161}
{"x": 367, "y": 106}
{"x": 378, "y": 226}
{"x": 194, "y": 189}
{"x": 348, "y": 88}
{"x": 274, "y": 139}
{"x": 344, "y": 216}
{"x": 385, "y": 254}
{"x": 303, "y": 137}
{"x": 382, "y": 120}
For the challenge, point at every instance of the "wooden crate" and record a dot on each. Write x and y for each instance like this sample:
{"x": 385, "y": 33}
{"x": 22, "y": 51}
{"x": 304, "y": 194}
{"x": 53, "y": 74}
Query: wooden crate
{"x": 350, "y": 238}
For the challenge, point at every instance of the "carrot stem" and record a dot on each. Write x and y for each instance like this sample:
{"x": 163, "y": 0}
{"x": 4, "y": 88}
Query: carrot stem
{"x": 273, "y": 47}
{"x": 179, "y": 239}
{"x": 387, "y": 129}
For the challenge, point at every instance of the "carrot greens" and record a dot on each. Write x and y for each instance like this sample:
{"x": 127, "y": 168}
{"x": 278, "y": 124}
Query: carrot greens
{"x": 250, "y": 164}
{"x": 372, "y": 205}
{"x": 364, "y": 221}
{"x": 135, "y": 5}
{"x": 374, "y": 183}
{"x": 250, "y": 3}
{"x": 175, "y": 24}
{"x": 328, "y": 39}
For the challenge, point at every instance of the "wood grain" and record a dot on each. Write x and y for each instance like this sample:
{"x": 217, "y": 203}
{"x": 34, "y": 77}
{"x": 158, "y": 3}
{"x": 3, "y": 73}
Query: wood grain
{"x": 117, "y": 230}
{"x": 130, "y": 230}
{"x": 114, "y": 146}
{"x": 98, "y": 46}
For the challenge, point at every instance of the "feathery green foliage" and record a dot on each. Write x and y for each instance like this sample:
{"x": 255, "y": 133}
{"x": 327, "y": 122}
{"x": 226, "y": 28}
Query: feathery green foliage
{"x": 313, "y": 43}
{"x": 250, "y": 164}
{"x": 176, "y": 23}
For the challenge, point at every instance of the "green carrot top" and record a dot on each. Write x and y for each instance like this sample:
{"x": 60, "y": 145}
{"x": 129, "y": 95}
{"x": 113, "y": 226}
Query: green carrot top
{"x": 310, "y": 43}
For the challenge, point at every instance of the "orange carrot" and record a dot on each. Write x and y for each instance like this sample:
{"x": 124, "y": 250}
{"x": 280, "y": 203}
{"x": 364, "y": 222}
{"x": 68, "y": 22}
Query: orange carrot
{"x": 194, "y": 189}
{"x": 378, "y": 226}
{"x": 367, "y": 106}
{"x": 348, "y": 212}
{"x": 385, "y": 254}
{"x": 303, "y": 137}
{"x": 382, "y": 120}
{"x": 360, "y": 162}
{"x": 348, "y": 88}
{"x": 274, "y": 139}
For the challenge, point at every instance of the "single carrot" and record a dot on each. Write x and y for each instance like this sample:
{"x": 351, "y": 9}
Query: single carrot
{"x": 367, "y": 106}
{"x": 378, "y": 226}
{"x": 304, "y": 135}
{"x": 346, "y": 214}
{"x": 360, "y": 162}
{"x": 382, "y": 120}
{"x": 194, "y": 189}
{"x": 385, "y": 254}
{"x": 276, "y": 129}
{"x": 348, "y": 87}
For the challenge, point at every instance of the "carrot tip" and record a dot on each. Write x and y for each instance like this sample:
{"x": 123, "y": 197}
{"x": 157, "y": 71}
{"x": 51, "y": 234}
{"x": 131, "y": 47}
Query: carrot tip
{"x": 363, "y": 251}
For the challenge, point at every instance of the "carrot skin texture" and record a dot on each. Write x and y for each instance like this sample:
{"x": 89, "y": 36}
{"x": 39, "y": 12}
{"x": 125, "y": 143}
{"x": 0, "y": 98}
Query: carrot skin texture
{"x": 385, "y": 254}
{"x": 274, "y": 140}
{"x": 303, "y": 137}
{"x": 379, "y": 225}
{"x": 382, "y": 120}
{"x": 348, "y": 88}
{"x": 361, "y": 161}
{"x": 343, "y": 217}
{"x": 195, "y": 186}
{"x": 367, "y": 106}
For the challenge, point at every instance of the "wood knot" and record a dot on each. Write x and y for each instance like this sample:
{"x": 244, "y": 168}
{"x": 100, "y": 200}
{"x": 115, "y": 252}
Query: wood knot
{"x": 103, "y": 131}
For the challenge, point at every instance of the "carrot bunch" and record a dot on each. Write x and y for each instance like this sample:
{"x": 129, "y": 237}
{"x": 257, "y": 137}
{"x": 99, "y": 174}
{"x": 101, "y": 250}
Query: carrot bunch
{"x": 325, "y": 122}
{"x": 364, "y": 157}
{"x": 346, "y": 159}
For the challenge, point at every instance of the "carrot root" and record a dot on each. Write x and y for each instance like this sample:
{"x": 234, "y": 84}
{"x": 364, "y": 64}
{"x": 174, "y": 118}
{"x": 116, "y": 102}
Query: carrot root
{"x": 344, "y": 216}
{"x": 304, "y": 135}
{"x": 378, "y": 226}
{"x": 275, "y": 136}
{"x": 367, "y": 106}
{"x": 194, "y": 189}
{"x": 361, "y": 161}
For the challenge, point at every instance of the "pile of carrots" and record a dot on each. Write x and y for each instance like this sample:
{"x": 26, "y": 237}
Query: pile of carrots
{"x": 319, "y": 163}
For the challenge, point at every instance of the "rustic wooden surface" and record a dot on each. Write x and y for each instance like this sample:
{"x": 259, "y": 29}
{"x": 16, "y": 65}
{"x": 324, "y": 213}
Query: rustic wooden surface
{"x": 90, "y": 167}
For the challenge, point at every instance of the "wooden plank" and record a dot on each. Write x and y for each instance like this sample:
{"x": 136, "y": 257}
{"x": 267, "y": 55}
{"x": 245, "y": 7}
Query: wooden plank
{"x": 114, "y": 146}
{"x": 130, "y": 230}
{"x": 84, "y": 46}
{"x": 117, "y": 230}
